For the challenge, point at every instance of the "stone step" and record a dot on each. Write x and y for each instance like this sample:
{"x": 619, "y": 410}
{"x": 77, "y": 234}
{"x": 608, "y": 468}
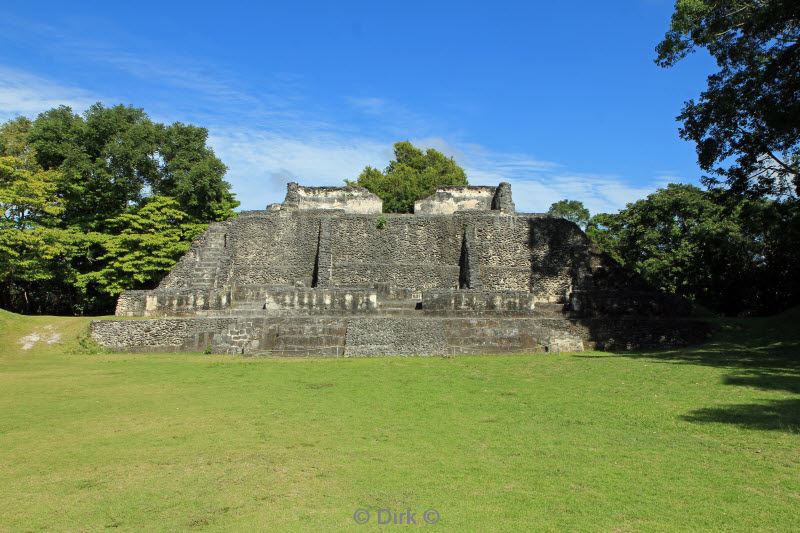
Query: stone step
{"x": 548, "y": 309}
{"x": 398, "y": 304}
{"x": 397, "y": 311}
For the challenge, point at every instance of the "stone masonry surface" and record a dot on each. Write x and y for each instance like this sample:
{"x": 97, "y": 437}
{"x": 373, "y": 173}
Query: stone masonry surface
{"x": 319, "y": 275}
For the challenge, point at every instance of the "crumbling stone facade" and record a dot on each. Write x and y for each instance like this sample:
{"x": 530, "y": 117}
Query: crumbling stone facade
{"x": 326, "y": 273}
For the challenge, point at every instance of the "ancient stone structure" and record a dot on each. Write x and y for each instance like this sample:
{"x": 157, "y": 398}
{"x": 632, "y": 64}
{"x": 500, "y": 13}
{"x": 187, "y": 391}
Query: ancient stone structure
{"x": 326, "y": 273}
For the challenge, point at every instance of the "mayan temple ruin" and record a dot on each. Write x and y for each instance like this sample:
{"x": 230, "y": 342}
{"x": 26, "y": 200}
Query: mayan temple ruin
{"x": 327, "y": 273}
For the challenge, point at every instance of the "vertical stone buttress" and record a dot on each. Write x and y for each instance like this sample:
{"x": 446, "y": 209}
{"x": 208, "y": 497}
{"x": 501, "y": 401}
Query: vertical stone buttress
{"x": 469, "y": 274}
{"x": 323, "y": 263}
{"x": 502, "y": 199}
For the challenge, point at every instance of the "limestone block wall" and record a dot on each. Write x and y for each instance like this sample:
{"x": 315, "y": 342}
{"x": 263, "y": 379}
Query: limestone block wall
{"x": 409, "y": 251}
{"x": 361, "y": 335}
{"x": 547, "y": 256}
{"x": 348, "y": 199}
{"x": 171, "y": 302}
{"x": 448, "y": 200}
{"x": 477, "y": 302}
{"x": 233, "y": 335}
{"x": 273, "y": 249}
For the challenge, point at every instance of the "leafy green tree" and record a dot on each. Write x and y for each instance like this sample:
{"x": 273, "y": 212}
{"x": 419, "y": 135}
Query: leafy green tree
{"x": 731, "y": 257}
{"x": 411, "y": 176}
{"x": 145, "y": 244}
{"x": 572, "y": 210}
{"x": 192, "y": 174}
{"x": 746, "y": 124}
{"x": 34, "y": 257}
{"x": 110, "y": 157}
{"x": 14, "y": 139}
{"x": 97, "y": 203}
{"x": 27, "y": 196}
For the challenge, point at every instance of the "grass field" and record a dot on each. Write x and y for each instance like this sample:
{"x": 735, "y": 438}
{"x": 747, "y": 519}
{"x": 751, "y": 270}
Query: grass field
{"x": 706, "y": 438}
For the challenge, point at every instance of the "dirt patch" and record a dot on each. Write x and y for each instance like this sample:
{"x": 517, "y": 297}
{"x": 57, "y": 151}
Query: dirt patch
{"x": 47, "y": 334}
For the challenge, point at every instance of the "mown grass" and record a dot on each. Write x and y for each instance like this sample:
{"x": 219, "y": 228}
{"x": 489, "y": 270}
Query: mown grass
{"x": 705, "y": 438}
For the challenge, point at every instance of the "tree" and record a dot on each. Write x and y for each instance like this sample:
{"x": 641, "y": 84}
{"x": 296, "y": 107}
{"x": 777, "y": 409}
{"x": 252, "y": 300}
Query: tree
{"x": 145, "y": 244}
{"x": 411, "y": 176}
{"x": 572, "y": 210}
{"x": 109, "y": 158}
{"x": 27, "y": 195}
{"x": 732, "y": 257}
{"x": 746, "y": 124}
{"x": 14, "y": 139}
{"x": 34, "y": 256}
{"x": 192, "y": 174}
{"x": 94, "y": 204}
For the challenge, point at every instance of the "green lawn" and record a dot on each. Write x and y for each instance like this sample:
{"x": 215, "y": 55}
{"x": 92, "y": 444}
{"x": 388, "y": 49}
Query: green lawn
{"x": 706, "y": 438}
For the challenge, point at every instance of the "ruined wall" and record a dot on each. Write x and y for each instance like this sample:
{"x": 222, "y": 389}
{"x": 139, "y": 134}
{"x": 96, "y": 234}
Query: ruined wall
{"x": 273, "y": 249}
{"x": 546, "y": 256}
{"x": 361, "y": 335}
{"x": 409, "y": 251}
{"x": 448, "y": 200}
{"x": 476, "y": 302}
{"x": 325, "y": 273}
{"x": 348, "y": 199}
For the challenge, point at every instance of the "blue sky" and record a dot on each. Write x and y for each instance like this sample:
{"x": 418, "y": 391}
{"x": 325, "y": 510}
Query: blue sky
{"x": 560, "y": 98}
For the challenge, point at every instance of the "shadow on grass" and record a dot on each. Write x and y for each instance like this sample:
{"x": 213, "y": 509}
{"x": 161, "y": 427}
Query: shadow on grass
{"x": 778, "y": 415}
{"x": 761, "y": 353}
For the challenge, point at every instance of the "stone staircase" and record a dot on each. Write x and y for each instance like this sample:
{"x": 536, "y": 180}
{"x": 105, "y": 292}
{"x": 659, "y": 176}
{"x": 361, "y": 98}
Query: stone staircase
{"x": 207, "y": 267}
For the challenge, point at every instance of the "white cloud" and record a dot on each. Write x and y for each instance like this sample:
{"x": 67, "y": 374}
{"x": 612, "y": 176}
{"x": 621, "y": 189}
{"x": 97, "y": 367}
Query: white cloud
{"x": 271, "y": 151}
{"x": 262, "y": 162}
{"x": 22, "y": 93}
{"x": 537, "y": 183}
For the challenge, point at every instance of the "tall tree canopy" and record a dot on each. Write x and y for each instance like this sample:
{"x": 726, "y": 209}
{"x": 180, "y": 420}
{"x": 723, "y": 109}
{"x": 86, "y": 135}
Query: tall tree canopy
{"x": 411, "y": 176}
{"x": 732, "y": 258}
{"x": 93, "y": 204}
{"x": 572, "y": 210}
{"x": 746, "y": 124}
{"x": 111, "y": 157}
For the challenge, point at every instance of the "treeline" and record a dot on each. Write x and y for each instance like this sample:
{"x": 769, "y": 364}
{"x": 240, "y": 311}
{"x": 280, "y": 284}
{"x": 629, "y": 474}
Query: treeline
{"x": 733, "y": 247}
{"x": 97, "y": 203}
{"x": 732, "y": 254}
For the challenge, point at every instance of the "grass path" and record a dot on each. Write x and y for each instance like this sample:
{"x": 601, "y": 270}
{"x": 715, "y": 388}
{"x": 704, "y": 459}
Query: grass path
{"x": 706, "y": 438}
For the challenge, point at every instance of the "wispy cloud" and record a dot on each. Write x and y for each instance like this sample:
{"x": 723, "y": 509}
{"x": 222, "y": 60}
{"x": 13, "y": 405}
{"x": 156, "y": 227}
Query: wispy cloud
{"x": 22, "y": 93}
{"x": 537, "y": 183}
{"x": 393, "y": 117}
{"x": 262, "y": 162}
{"x": 269, "y": 138}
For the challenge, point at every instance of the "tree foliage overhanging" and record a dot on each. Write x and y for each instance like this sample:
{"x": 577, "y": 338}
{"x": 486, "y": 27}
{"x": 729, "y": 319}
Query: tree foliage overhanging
{"x": 411, "y": 176}
{"x": 746, "y": 124}
{"x": 572, "y": 210}
{"x": 733, "y": 257}
{"x": 93, "y": 204}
